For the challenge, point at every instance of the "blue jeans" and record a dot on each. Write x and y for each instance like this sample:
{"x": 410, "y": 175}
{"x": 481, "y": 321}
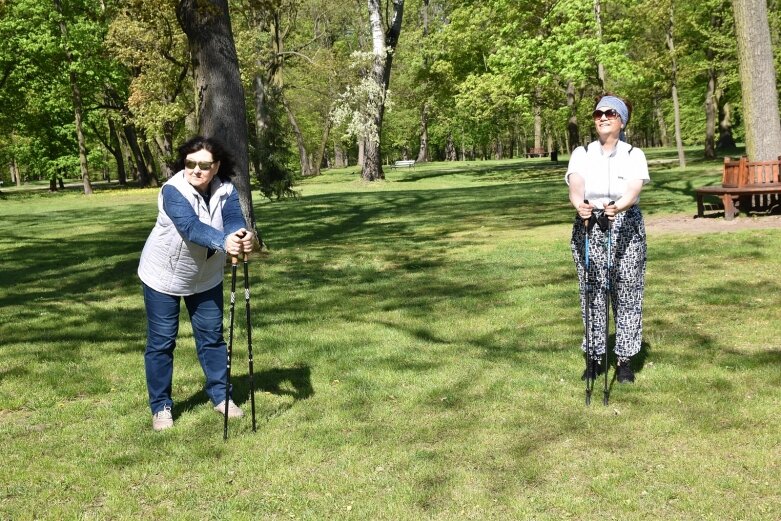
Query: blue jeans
{"x": 162, "y": 312}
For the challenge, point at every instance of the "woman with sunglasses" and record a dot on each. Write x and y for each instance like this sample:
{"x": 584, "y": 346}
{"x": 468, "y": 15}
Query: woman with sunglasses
{"x": 605, "y": 179}
{"x": 199, "y": 222}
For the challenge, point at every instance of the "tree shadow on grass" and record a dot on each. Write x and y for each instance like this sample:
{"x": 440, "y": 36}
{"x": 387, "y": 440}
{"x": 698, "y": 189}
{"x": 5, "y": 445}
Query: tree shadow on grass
{"x": 295, "y": 382}
{"x": 517, "y": 170}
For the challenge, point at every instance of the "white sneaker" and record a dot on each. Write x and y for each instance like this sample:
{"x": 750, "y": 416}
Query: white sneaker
{"x": 162, "y": 419}
{"x": 233, "y": 410}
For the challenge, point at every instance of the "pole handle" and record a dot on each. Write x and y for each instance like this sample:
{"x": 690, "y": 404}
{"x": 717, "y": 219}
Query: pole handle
{"x": 585, "y": 221}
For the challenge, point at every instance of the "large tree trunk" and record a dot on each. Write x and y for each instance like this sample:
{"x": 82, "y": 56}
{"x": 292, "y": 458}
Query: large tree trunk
{"x": 77, "y": 103}
{"x": 262, "y": 118}
{"x": 150, "y": 161}
{"x": 383, "y": 46}
{"x": 116, "y": 151}
{"x": 757, "y": 80}
{"x": 318, "y": 163}
{"x": 142, "y": 170}
{"x": 537, "y": 126}
{"x": 340, "y": 158}
{"x": 710, "y": 114}
{"x": 15, "y": 177}
{"x": 361, "y": 153}
{"x": 165, "y": 146}
{"x": 664, "y": 141}
{"x": 303, "y": 155}
{"x": 220, "y": 94}
{"x": 450, "y": 149}
{"x": 423, "y": 151}
{"x": 674, "y": 88}
{"x": 573, "y": 134}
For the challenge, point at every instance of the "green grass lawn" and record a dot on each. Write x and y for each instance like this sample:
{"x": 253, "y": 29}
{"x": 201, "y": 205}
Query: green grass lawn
{"x": 416, "y": 358}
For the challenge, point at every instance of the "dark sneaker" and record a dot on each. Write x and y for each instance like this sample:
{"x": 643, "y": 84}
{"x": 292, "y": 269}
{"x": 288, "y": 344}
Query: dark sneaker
{"x": 624, "y": 373}
{"x": 593, "y": 370}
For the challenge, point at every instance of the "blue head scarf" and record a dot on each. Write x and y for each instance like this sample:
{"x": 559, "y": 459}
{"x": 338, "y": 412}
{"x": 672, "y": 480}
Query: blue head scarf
{"x": 619, "y": 106}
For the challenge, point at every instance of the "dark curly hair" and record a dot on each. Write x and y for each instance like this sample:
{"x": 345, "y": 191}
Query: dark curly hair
{"x": 212, "y": 145}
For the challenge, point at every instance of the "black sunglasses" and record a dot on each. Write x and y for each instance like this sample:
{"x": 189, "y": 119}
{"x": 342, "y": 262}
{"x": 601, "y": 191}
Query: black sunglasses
{"x": 203, "y": 165}
{"x": 609, "y": 113}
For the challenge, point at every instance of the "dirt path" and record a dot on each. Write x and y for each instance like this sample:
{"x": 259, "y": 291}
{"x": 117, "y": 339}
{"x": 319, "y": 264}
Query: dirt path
{"x": 687, "y": 224}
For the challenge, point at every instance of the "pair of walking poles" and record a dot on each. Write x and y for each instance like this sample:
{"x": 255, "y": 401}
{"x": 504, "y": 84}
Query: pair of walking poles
{"x": 234, "y": 267}
{"x": 591, "y": 375}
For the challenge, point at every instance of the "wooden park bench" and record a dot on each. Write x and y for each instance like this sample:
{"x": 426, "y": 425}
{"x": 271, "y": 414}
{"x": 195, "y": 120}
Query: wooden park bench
{"x": 409, "y": 163}
{"x": 536, "y": 152}
{"x": 754, "y": 184}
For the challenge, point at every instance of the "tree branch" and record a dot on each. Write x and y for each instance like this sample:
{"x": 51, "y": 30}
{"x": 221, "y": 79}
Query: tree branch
{"x": 307, "y": 58}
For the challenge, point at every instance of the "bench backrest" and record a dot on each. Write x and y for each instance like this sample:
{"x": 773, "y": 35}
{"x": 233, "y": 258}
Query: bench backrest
{"x": 746, "y": 173}
{"x": 405, "y": 162}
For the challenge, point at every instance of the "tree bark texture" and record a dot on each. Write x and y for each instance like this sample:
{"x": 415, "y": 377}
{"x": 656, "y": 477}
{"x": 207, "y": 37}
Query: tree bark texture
{"x": 674, "y": 89}
{"x": 15, "y": 177}
{"x": 383, "y": 45}
{"x": 77, "y": 103}
{"x": 116, "y": 151}
{"x": 262, "y": 118}
{"x": 340, "y": 158}
{"x": 661, "y": 123}
{"x": 710, "y": 115}
{"x": 423, "y": 151}
{"x": 303, "y": 155}
{"x": 757, "y": 80}
{"x": 537, "y": 126}
{"x": 142, "y": 171}
{"x": 322, "y": 159}
{"x": 573, "y": 134}
{"x": 219, "y": 92}
{"x": 150, "y": 161}
{"x": 450, "y": 149}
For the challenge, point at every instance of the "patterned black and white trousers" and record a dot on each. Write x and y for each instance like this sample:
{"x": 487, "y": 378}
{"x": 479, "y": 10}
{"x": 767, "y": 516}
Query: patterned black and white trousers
{"x": 627, "y": 280}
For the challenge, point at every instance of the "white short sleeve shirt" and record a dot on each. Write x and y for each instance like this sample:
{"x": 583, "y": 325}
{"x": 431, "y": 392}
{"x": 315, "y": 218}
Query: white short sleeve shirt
{"x": 606, "y": 175}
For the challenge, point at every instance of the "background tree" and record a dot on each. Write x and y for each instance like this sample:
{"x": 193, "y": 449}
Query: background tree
{"x": 78, "y": 108}
{"x": 757, "y": 79}
{"x": 384, "y": 40}
{"x": 219, "y": 91}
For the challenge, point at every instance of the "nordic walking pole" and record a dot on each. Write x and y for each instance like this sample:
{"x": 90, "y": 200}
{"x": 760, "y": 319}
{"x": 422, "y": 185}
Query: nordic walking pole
{"x": 249, "y": 339}
{"x": 234, "y": 264}
{"x": 605, "y": 395}
{"x": 587, "y": 323}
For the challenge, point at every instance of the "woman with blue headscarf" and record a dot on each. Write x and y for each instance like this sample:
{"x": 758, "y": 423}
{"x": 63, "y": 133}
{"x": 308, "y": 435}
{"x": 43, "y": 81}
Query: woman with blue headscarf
{"x": 605, "y": 179}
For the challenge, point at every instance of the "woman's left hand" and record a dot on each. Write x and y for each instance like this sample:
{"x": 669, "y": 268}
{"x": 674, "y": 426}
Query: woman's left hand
{"x": 611, "y": 210}
{"x": 247, "y": 241}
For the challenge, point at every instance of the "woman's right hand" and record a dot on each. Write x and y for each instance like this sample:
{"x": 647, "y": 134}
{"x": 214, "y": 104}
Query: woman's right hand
{"x": 584, "y": 210}
{"x": 234, "y": 242}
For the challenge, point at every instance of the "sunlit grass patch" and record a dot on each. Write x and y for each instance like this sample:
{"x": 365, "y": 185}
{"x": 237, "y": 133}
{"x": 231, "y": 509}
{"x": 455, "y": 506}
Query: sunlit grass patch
{"x": 416, "y": 357}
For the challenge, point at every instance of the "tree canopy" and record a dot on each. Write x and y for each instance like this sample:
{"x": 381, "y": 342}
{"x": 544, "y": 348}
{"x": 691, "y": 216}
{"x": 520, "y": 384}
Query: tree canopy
{"x": 469, "y": 80}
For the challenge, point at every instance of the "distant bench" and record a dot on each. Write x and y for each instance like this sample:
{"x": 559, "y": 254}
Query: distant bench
{"x": 409, "y": 163}
{"x": 536, "y": 152}
{"x": 755, "y": 184}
